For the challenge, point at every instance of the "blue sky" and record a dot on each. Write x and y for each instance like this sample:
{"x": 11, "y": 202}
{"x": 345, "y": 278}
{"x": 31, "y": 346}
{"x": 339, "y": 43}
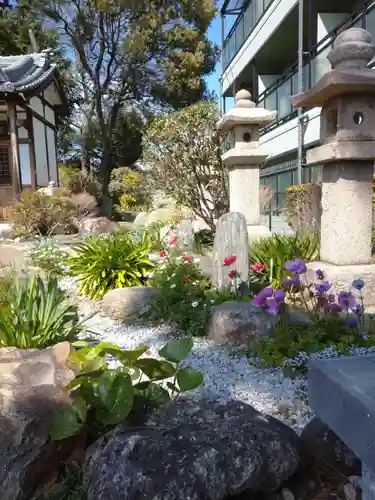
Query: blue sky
{"x": 214, "y": 34}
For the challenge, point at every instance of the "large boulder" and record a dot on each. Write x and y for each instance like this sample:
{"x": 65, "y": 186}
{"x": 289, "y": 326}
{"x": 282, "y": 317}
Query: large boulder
{"x": 97, "y": 225}
{"x": 193, "y": 450}
{"x": 123, "y": 303}
{"x": 329, "y": 452}
{"x": 31, "y": 390}
{"x": 239, "y": 323}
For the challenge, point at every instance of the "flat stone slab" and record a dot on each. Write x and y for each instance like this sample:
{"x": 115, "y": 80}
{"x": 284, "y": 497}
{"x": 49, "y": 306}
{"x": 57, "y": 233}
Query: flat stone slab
{"x": 342, "y": 394}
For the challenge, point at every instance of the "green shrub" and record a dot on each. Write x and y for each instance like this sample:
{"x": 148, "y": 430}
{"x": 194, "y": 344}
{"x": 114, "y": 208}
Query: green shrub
{"x": 6, "y": 285}
{"x": 103, "y": 397}
{"x": 37, "y": 316}
{"x": 204, "y": 241}
{"x": 48, "y": 256}
{"x": 129, "y": 190}
{"x": 40, "y": 214}
{"x": 76, "y": 181}
{"x": 183, "y": 300}
{"x": 275, "y": 250}
{"x": 103, "y": 263}
{"x": 69, "y": 485}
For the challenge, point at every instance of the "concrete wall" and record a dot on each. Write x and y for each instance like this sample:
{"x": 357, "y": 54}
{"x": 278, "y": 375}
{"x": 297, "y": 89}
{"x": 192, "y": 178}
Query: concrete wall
{"x": 266, "y": 26}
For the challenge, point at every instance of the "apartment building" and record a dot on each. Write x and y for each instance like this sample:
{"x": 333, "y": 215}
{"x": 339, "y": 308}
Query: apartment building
{"x": 260, "y": 54}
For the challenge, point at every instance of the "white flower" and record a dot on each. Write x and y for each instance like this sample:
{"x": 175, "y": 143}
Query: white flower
{"x": 149, "y": 274}
{"x": 196, "y": 260}
{"x": 173, "y": 286}
{"x": 163, "y": 266}
{"x": 194, "y": 304}
{"x": 173, "y": 275}
{"x": 212, "y": 302}
{"x": 195, "y": 283}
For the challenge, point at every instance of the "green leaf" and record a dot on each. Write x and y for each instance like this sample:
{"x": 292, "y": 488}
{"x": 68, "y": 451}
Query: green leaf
{"x": 65, "y": 423}
{"x": 128, "y": 358}
{"x": 188, "y": 378}
{"x": 173, "y": 387}
{"x": 177, "y": 350}
{"x": 116, "y": 393}
{"x": 155, "y": 395}
{"x": 155, "y": 369}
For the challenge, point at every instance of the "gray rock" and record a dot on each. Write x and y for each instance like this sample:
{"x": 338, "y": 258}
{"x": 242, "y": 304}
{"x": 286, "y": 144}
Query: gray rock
{"x": 193, "y": 450}
{"x": 141, "y": 219}
{"x": 240, "y": 323}
{"x": 185, "y": 233}
{"x": 31, "y": 390}
{"x": 231, "y": 238}
{"x": 123, "y": 303}
{"x": 97, "y": 225}
{"x": 329, "y": 451}
{"x": 350, "y": 492}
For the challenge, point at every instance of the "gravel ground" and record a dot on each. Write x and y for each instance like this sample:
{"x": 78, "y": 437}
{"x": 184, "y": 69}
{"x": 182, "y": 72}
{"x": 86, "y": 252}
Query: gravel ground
{"x": 227, "y": 375}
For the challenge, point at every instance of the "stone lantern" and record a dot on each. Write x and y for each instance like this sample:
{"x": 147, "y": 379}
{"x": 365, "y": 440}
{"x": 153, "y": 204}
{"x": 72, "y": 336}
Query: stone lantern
{"x": 245, "y": 158}
{"x": 346, "y": 95}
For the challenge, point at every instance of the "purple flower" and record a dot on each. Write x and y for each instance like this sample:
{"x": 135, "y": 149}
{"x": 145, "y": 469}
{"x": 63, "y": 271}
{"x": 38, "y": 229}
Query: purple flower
{"x": 261, "y": 299}
{"x": 319, "y": 275}
{"x": 296, "y": 266}
{"x": 273, "y": 306}
{"x": 364, "y": 336}
{"x": 333, "y": 308}
{"x": 351, "y": 322}
{"x": 358, "y": 284}
{"x": 279, "y": 295}
{"x": 295, "y": 281}
{"x": 346, "y": 300}
{"x": 323, "y": 287}
{"x": 358, "y": 309}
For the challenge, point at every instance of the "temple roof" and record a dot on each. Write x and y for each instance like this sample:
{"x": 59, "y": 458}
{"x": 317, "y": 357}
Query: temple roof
{"x": 25, "y": 74}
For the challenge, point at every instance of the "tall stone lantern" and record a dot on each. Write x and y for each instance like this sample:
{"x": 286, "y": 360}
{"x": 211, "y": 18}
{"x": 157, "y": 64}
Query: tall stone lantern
{"x": 346, "y": 95}
{"x": 245, "y": 158}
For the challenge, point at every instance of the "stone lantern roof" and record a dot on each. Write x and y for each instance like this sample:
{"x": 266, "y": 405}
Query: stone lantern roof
{"x": 352, "y": 52}
{"x": 245, "y": 113}
{"x": 25, "y": 74}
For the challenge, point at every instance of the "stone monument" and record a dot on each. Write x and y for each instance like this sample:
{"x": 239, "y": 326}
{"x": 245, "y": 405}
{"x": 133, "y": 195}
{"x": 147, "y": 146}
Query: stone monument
{"x": 346, "y": 95}
{"x": 245, "y": 158}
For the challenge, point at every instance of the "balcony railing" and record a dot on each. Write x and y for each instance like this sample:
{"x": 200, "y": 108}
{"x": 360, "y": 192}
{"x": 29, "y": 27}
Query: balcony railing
{"x": 242, "y": 28}
{"x": 277, "y": 97}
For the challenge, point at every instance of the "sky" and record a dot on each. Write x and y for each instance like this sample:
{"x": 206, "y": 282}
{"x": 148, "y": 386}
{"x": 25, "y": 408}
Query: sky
{"x": 214, "y": 34}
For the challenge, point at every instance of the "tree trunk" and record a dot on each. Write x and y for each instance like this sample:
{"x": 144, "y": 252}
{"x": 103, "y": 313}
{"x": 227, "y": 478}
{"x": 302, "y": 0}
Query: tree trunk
{"x": 106, "y": 203}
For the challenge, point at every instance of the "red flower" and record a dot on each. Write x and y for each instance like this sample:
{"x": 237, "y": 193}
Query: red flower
{"x": 233, "y": 274}
{"x": 186, "y": 280}
{"x": 188, "y": 258}
{"x": 173, "y": 241}
{"x": 258, "y": 267}
{"x": 228, "y": 261}
{"x": 163, "y": 253}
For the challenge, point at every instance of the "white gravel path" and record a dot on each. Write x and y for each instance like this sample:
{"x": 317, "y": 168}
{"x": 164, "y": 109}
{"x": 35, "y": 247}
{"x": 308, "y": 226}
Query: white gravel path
{"x": 227, "y": 375}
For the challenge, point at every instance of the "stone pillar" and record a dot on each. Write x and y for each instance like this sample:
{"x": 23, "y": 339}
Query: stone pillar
{"x": 346, "y": 95}
{"x": 245, "y": 158}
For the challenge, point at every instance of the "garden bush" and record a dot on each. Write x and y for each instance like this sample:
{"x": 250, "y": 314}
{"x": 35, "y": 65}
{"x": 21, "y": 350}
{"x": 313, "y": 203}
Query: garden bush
{"x": 40, "y": 214}
{"x": 37, "y": 315}
{"x": 302, "y": 207}
{"x": 274, "y": 251}
{"x": 336, "y": 323}
{"x": 129, "y": 190}
{"x": 48, "y": 256}
{"x": 103, "y": 263}
{"x": 76, "y": 181}
{"x": 102, "y": 396}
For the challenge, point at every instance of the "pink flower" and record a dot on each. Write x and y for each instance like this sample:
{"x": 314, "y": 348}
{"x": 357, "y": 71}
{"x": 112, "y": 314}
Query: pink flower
{"x": 228, "y": 261}
{"x": 163, "y": 253}
{"x": 188, "y": 258}
{"x": 173, "y": 241}
{"x": 233, "y": 274}
{"x": 258, "y": 267}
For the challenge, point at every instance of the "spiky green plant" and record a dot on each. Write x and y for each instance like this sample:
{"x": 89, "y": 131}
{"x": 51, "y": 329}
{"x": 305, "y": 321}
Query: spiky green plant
{"x": 275, "y": 250}
{"x": 37, "y": 315}
{"x": 117, "y": 260}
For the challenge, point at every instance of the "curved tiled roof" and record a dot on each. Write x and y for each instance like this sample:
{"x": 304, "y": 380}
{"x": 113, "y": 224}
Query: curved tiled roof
{"x": 25, "y": 73}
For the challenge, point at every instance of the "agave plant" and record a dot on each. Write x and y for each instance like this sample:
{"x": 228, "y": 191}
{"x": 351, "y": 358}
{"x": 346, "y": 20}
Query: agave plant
{"x": 119, "y": 260}
{"x": 38, "y": 316}
{"x": 274, "y": 251}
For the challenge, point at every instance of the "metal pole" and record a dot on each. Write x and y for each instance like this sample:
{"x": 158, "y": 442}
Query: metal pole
{"x": 300, "y": 90}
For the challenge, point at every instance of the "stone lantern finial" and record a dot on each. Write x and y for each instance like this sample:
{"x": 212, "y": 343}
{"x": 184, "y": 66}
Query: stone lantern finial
{"x": 243, "y": 99}
{"x": 353, "y": 49}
